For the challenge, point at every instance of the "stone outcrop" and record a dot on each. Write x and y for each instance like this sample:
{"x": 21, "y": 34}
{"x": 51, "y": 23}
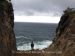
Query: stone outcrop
{"x": 64, "y": 43}
{"x": 7, "y": 36}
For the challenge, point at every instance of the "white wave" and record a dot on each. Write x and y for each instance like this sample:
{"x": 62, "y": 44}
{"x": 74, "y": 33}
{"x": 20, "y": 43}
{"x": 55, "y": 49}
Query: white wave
{"x": 37, "y": 45}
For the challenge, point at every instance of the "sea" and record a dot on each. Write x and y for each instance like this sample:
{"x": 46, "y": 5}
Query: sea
{"x": 41, "y": 34}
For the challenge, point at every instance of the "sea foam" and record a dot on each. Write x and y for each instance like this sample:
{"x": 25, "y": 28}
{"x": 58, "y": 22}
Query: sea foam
{"x": 37, "y": 45}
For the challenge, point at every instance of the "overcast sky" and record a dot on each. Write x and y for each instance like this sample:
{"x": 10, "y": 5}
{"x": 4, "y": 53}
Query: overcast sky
{"x": 29, "y": 9}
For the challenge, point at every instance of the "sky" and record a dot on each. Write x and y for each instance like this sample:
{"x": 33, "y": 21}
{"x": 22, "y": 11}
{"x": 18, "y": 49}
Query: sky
{"x": 41, "y": 11}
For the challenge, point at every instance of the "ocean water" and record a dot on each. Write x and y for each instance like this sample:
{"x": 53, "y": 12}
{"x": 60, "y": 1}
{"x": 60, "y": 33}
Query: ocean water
{"x": 40, "y": 33}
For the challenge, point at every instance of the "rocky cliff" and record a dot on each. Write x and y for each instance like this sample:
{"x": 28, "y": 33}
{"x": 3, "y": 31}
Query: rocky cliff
{"x": 7, "y": 37}
{"x": 64, "y": 43}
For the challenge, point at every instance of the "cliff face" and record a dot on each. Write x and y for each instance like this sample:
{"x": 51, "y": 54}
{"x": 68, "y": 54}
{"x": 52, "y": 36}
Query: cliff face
{"x": 65, "y": 35}
{"x": 7, "y": 37}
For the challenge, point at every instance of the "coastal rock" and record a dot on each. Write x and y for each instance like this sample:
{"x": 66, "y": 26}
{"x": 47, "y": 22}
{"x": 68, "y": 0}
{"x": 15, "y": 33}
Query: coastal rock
{"x": 7, "y": 36}
{"x": 64, "y": 43}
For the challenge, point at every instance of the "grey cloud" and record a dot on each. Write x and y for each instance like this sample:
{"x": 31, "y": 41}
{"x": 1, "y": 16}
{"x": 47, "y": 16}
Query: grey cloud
{"x": 29, "y": 7}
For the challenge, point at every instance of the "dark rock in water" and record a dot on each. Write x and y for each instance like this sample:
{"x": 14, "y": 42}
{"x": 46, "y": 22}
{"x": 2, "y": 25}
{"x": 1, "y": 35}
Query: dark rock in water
{"x": 7, "y": 37}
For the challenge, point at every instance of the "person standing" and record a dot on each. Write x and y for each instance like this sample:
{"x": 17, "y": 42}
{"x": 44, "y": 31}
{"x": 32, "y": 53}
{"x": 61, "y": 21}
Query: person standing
{"x": 32, "y": 45}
